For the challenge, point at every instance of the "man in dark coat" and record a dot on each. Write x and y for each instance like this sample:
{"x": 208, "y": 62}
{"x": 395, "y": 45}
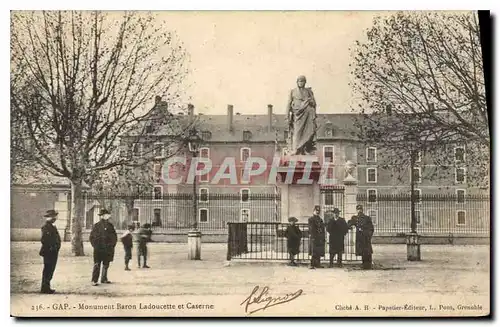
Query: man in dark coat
{"x": 293, "y": 236}
{"x": 337, "y": 228}
{"x": 51, "y": 243}
{"x": 316, "y": 238}
{"x": 364, "y": 233}
{"x": 103, "y": 239}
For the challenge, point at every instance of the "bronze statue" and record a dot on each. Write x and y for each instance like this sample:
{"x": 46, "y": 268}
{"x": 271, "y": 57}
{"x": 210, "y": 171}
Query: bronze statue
{"x": 302, "y": 119}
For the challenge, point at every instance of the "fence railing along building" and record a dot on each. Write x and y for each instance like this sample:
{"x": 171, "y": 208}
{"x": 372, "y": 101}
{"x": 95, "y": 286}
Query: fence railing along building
{"x": 175, "y": 211}
{"x": 436, "y": 214}
{"x": 439, "y": 214}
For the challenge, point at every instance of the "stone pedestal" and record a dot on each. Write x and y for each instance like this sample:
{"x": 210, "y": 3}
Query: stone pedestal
{"x": 413, "y": 247}
{"x": 301, "y": 201}
{"x": 194, "y": 245}
{"x": 300, "y": 193}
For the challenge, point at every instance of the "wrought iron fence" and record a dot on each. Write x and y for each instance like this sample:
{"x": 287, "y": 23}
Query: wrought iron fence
{"x": 435, "y": 213}
{"x": 267, "y": 241}
{"x": 332, "y": 197}
{"x": 175, "y": 211}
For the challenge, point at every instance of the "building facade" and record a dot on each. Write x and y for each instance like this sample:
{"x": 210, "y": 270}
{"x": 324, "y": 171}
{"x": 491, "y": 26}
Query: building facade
{"x": 447, "y": 200}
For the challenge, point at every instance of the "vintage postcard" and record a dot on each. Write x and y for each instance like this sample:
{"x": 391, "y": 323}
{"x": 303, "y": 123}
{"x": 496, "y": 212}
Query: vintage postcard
{"x": 250, "y": 163}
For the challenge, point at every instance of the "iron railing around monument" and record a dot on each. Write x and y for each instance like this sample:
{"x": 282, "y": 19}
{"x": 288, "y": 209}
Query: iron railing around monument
{"x": 259, "y": 241}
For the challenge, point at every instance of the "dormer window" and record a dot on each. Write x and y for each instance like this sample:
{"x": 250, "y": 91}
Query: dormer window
{"x": 247, "y": 135}
{"x": 328, "y": 129}
{"x": 206, "y": 135}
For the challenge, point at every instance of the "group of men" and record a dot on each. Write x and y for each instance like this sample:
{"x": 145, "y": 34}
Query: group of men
{"x": 337, "y": 228}
{"x": 103, "y": 239}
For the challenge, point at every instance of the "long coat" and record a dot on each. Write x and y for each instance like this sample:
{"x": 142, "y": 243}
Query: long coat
{"x": 364, "y": 233}
{"x": 336, "y": 230}
{"x": 103, "y": 239}
{"x": 51, "y": 241}
{"x": 316, "y": 236}
{"x": 293, "y": 236}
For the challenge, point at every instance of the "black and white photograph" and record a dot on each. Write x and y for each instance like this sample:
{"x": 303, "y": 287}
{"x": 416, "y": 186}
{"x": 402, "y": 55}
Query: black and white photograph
{"x": 250, "y": 163}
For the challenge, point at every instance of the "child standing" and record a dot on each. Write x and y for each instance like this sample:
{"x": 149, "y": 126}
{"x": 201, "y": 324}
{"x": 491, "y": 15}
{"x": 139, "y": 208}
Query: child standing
{"x": 127, "y": 241}
{"x": 144, "y": 236}
{"x": 293, "y": 236}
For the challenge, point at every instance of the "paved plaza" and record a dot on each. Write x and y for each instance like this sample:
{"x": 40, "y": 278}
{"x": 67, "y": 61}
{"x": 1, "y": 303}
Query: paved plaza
{"x": 448, "y": 275}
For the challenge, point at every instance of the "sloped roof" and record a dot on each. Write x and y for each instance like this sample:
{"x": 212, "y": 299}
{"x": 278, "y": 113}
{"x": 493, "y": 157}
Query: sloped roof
{"x": 341, "y": 124}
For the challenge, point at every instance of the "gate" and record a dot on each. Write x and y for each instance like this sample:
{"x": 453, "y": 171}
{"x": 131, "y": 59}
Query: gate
{"x": 260, "y": 241}
{"x": 266, "y": 241}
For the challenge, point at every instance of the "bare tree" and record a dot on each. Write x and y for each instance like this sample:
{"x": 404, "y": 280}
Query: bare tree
{"x": 426, "y": 71}
{"x": 419, "y": 81}
{"x": 79, "y": 80}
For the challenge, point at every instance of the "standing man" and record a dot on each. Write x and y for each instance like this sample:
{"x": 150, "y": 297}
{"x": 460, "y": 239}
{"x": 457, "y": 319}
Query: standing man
{"x": 103, "y": 239}
{"x": 51, "y": 243}
{"x": 337, "y": 228}
{"x": 364, "y": 233}
{"x": 316, "y": 238}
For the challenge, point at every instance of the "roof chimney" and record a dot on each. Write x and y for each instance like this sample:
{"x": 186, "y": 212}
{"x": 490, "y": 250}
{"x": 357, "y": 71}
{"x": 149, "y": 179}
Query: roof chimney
{"x": 388, "y": 109}
{"x": 190, "y": 109}
{"x": 230, "y": 117}
{"x": 270, "y": 117}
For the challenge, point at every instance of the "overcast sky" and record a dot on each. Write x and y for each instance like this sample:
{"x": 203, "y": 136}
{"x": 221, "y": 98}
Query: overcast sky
{"x": 251, "y": 59}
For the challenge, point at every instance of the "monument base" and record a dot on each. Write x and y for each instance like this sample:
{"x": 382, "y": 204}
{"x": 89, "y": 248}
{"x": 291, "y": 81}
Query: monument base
{"x": 302, "y": 191}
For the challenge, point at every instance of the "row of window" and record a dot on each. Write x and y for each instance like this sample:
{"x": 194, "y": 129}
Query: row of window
{"x": 460, "y": 175}
{"x": 329, "y": 154}
{"x": 137, "y": 150}
{"x": 205, "y": 178}
{"x": 328, "y": 197}
{"x": 203, "y": 214}
{"x": 460, "y": 218}
{"x": 159, "y": 151}
{"x": 371, "y": 174}
{"x": 203, "y": 194}
{"x": 458, "y": 152}
{"x": 371, "y": 195}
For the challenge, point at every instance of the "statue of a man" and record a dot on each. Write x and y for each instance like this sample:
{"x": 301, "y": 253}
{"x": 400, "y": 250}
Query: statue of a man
{"x": 302, "y": 118}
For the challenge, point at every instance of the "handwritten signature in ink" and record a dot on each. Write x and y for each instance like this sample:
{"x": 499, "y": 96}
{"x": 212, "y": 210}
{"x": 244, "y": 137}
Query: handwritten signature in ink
{"x": 260, "y": 299}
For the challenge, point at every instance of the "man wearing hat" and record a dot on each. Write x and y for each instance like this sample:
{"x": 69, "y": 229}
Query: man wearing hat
{"x": 364, "y": 233}
{"x": 337, "y": 228}
{"x": 51, "y": 243}
{"x": 293, "y": 236}
{"x": 103, "y": 239}
{"x": 316, "y": 238}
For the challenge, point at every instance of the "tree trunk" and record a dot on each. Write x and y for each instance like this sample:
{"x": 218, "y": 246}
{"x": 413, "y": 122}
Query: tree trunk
{"x": 77, "y": 208}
